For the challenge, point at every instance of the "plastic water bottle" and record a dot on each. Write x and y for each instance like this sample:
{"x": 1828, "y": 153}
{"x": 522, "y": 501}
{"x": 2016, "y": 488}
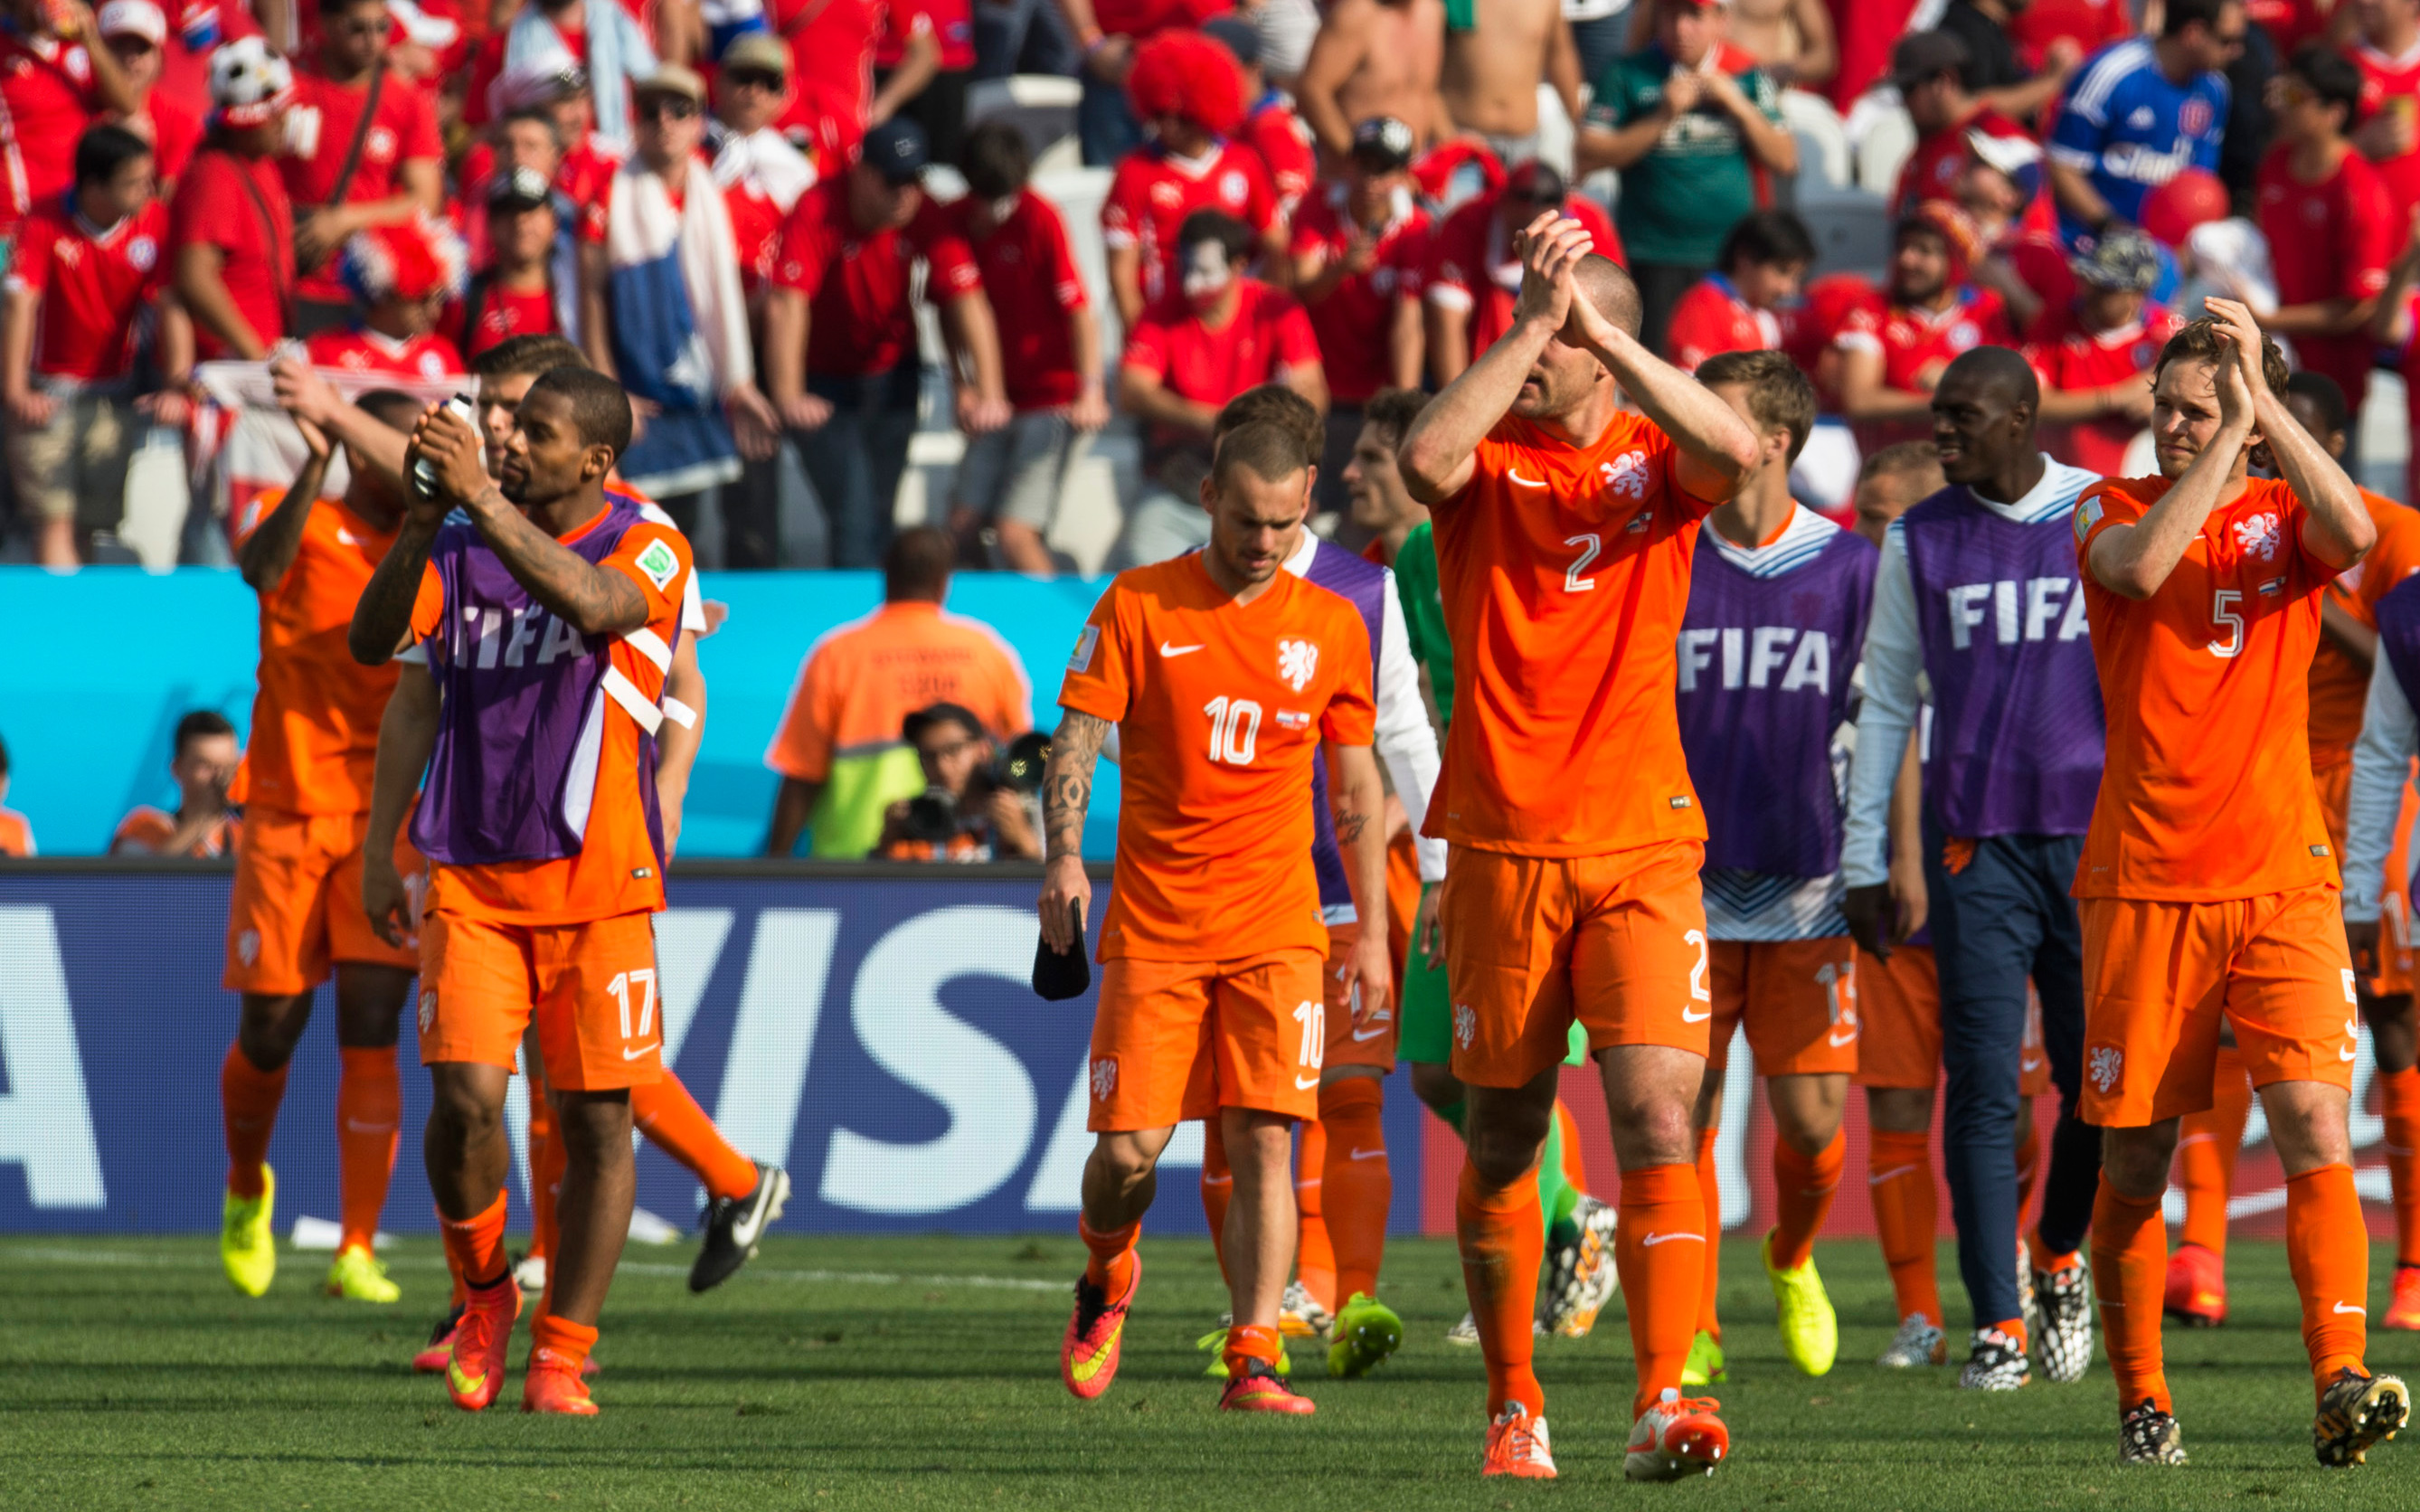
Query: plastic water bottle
{"x": 424, "y": 476}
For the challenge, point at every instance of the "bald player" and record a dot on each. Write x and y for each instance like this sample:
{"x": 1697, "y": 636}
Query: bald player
{"x": 1564, "y": 530}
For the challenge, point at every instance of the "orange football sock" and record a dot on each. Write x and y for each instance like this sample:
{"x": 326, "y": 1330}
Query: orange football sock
{"x": 2130, "y": 1273}
{"x": 2327, "y": 1244}
{"x": 1357, "y": 1187}
{"x": 2398, "y": 1098}
{"x": 1247, "y": 1342}
{"x": 1574, "y": 1169}
{"x": 2207, "y": 1145}
{"x": 2028, "y": 1166}
{"x": 1709, "y": 1191}
{"x": 1217, "y": 1186}
{"x": 1314, "y": 1258}
{"x": 1112, "y": 1263}
{"x": 665, "y": 1113}
{"x": 1803, "y": 1187}
{"x": 369, "y": 1121}
{"x": 248, "y": 1099}
{"x": 1502, "y": 1237}
{"x": 1662, "y": 1215}
{"x": 558, "y": 1344}
{"x": 547, "y": 1157}
{"x": 454, "y": 1268}
{"x": 476, "y": 1244}
{"x": 1899, "y": 1172}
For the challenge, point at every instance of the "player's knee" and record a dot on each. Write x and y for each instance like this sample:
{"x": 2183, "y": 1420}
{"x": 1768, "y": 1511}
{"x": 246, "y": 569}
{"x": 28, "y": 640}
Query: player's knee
{"x": 1123, "y": 1162}
{"x": 595, "y": 1125}
{"x": 1436, "y": 1086}
{"x": 1502, "y": 1154}
{"x": 1654, "y": 1131}
{"x": 2136, "y": 1161}
{"x": 2306, "y": 1122}
{"x": 462, "y": 1111}
{"x": 271, "y": 1028}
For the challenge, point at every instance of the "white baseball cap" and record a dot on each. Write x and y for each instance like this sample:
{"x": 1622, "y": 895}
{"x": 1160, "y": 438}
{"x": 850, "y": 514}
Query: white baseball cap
{"x": 133, "y": 18}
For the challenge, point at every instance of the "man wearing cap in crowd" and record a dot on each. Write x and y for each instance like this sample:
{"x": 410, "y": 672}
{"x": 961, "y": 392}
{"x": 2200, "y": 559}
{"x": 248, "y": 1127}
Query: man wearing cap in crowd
{"x": 661, "y": 308}
{"x": 530, "y": 284}
{"x": 136, "y": 34}
{"x": 761, "y": 175}
{"x": 231, "y": 227}
{"x": 1360, "y": 247}
{"x": 55, "y": 79}
{"x": 2095, "y": 365}
{"x": 1473, "y": 272}
{"x": 841, "y": 357}
{"x": 1693, "y": 127}
{"x": 1925, "y": 67}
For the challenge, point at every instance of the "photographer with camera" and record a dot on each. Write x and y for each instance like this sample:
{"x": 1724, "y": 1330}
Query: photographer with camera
{"x": 976, "y": 805}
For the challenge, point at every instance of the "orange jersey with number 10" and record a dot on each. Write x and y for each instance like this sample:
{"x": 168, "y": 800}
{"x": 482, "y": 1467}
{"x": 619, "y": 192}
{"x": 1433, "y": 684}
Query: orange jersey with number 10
{"x": 2207, "y": 794}
{"x": 1564, "y": 572}
{"x": 1221, "y": 709}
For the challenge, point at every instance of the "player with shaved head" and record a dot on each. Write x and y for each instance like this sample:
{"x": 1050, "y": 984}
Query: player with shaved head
{"x": 1565, "y": 532}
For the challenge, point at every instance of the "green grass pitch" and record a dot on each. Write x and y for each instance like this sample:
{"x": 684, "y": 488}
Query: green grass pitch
{"x": 898, "y": 1373}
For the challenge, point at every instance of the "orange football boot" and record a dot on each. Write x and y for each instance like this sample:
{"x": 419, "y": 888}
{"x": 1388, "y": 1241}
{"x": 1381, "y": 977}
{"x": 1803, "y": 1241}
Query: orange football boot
{"x": 1259, "y": 1388}
{"x": 1678, "y": 1436}
{"x": 2196, "y": 1290}
{"x": 1088, "y": 1354}
{"x": 432, "y": 1359}
{"x": 2404, "y": 1311}
{"x": 475, "y": 1373}
{"x": 1517, "y": 1446}
{"x": 549, "y": 1388}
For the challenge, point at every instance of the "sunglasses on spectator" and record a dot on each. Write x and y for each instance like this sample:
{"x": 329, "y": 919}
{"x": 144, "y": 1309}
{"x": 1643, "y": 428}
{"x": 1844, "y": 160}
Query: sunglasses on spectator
{"x": 667, "y": 108}
{"x": 751, "y": 79}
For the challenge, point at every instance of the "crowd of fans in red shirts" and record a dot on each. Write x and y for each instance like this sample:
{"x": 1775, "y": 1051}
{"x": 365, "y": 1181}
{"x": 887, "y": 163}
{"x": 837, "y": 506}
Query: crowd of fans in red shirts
{"x": 727, "y": 205}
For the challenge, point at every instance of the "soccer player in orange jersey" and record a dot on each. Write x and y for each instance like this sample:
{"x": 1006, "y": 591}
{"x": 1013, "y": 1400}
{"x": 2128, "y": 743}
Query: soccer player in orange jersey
{"x": 547, "y": 611}
{"x": 2340, "y": 679}
{"x": 2207, "y": 882}
{"x": 296, "y": 914}
{"x": 1565, "y": 527}
{"x": 1225, "y": 676}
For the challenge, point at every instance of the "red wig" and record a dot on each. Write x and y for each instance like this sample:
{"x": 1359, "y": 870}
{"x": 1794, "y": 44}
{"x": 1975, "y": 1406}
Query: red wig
{"x": 1185, "y": 73}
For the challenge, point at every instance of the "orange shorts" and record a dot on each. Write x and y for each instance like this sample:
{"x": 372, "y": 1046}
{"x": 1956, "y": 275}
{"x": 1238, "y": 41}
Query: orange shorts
{"x": 1799, "y": 999}
{"x": 1175, "y": 1041}
{"x": 2159, "y": 977}
{"x": 1898, "y": 1004}
{"x": 1616, "y": 941}
{"x": 590, "y": 989}
{"x": 1369, "y": 1040}
{"x": 297, "y": 905}
{"x": 2335, "y": 784}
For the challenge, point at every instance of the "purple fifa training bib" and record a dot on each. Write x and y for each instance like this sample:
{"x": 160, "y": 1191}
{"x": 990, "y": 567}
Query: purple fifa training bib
{"x": 1362, "y": 583}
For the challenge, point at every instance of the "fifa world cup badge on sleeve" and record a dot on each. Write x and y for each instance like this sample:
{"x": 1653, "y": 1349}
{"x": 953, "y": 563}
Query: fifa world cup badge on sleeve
{"x": 2087, "y": 515}
{"x": 659, "y": 562}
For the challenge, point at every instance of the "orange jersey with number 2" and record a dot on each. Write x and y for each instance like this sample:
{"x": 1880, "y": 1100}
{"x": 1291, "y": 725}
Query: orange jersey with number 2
{"x": 1220, "y": 708}
{"x": 1564, "y": 572}
{"x": 2207, "y": 793}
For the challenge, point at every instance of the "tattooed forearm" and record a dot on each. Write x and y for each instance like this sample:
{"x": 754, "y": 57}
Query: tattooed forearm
{"x": 1067, "y": 783}
{"x": 1348, "y": 826}
{"x": 591, "y": 599}
{"x": 383, "y": 613}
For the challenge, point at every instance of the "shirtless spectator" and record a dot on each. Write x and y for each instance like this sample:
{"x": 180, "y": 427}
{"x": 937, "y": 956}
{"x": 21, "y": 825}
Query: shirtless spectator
{"x": 1375, "y": 58}
{"x": 1791, "y": 40}
{"x": 1490, "y": 82}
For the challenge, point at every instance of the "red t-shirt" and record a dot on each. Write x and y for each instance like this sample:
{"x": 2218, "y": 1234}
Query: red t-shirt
{"x": 47, "y": 98}
{"x": 596, "y": 213}
{"x": 1355, "y": 322}
{"x": 1810, "y": 324}
{"x": 176, "y": 134}
{"x": 198, "y": 28}
{"x": 1028, "y": 273}
{"x": 362, "y": 350}
{"x": 1141, "y": 19}
{"x": 2087, "y": 23}
{"x": 831, "y": 72}
{"x": 2040, "y": 262}
{"x": 320, "y": 132}
{"x": 2289, "y": 22}
{"x": 2331, "y": 240}
{"x": 1867, "y": 30}
{"x": 2397, "y": 79}
{"x": 759, "y": 209}
{"x": 213, "y": 208}
{"x": 93, "y": 284}
{"x": 1913, "y": 341}
{"x": 1933, "y": 170}
{"x": 1269, "y": 334}
{"x": 860, "y": 321}
{"x": 1711, "y": 320}
{"x": 1282, "y": 143}
{"x": 503, "y": 314}
{"x": 2086, "y": 360}
{"x": 1153, "y": 190}
{"x": 951, "y": 22}
{"x": 1471, "y": 265}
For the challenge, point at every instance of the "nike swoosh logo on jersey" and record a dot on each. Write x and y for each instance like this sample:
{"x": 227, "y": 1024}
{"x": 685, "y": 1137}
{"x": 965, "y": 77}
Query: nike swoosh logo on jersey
{"x": 642, "y": 1050}
{"x": 1514, "y": 473}
{"x": 1301, "y": 1085}
{"x": 2348, "y": 1307}
{"x": 1688, "y": 1017}
{"x": 1369, "y": 1154}
{"x": 1167, "y": 650}
{"x": 1654, "y": 1239}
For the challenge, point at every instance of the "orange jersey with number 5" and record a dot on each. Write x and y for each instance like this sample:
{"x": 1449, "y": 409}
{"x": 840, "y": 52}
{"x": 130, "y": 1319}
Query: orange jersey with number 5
{"x": 1564, "y": 572}
{"x": 1221, "y": 709}
{"x": 2207, "y": 794}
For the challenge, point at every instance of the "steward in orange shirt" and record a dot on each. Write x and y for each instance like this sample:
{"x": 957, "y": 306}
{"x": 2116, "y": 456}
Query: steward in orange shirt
{"x": 2207, "y": 878}
{"x": 1226, "y": 677}
{"x": 1565, "y": 527}
{"x": 296, "y": 916}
